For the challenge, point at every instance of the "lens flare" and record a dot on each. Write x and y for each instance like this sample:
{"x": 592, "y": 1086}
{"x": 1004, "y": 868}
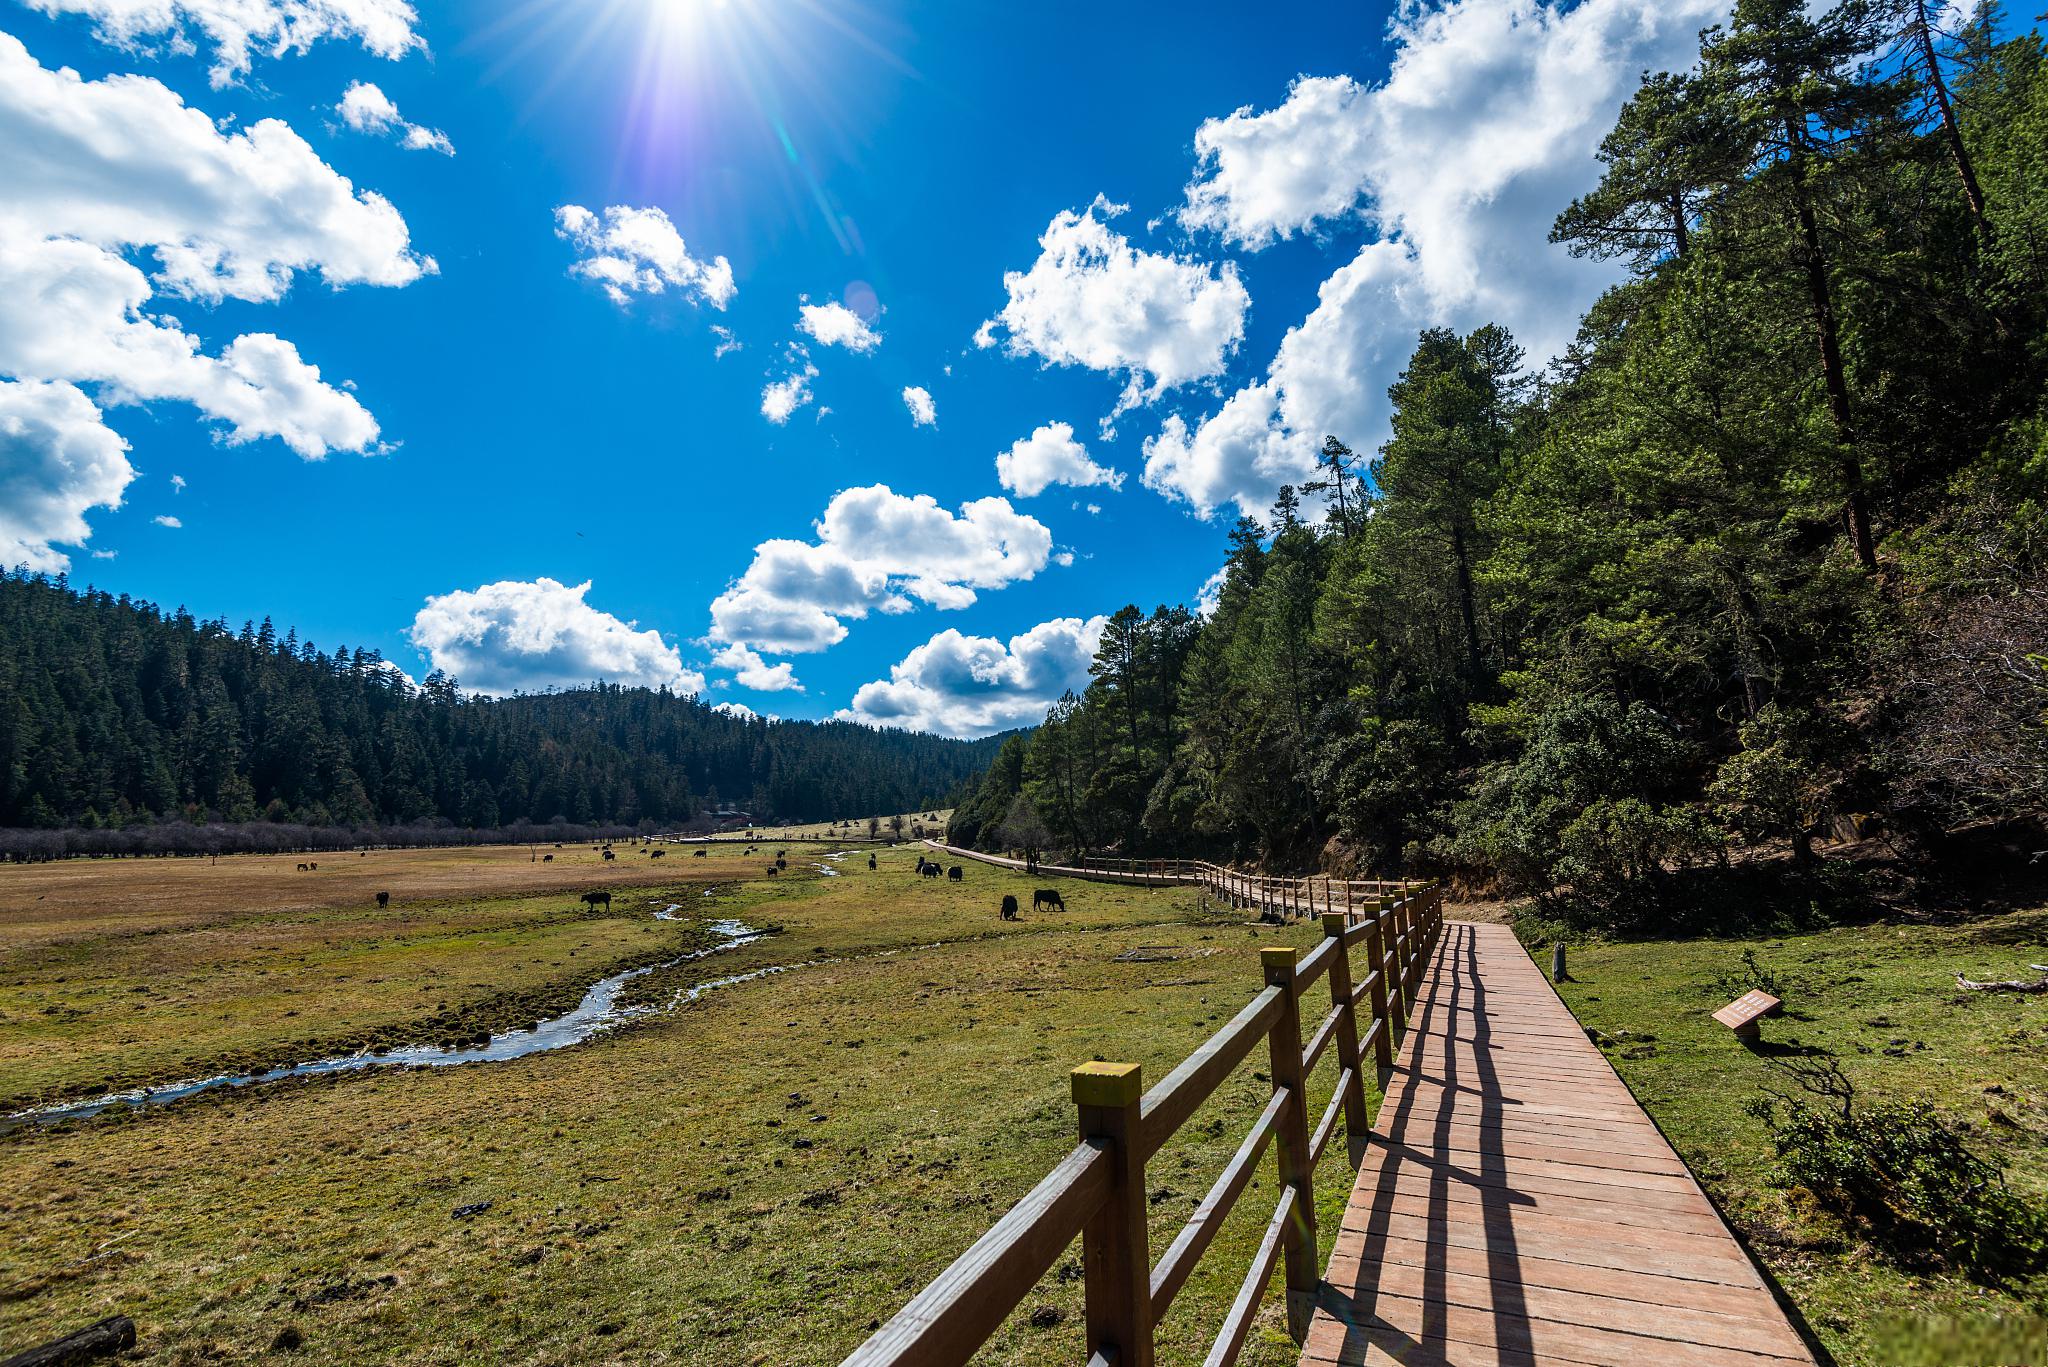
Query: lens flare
{"x": 712, "y": 96}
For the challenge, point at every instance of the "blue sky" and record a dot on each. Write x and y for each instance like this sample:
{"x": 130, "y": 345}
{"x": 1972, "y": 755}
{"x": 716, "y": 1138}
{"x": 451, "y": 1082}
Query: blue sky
{"x": 488, "y": 419}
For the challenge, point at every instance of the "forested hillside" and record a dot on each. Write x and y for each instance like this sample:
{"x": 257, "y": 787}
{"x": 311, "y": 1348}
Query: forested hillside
{"x": 1759, "y": 561}
{"x": 113, "y": 713}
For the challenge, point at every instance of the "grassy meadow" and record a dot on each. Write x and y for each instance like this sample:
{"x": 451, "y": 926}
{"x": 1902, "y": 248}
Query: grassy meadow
{"x": 758, "y": 1175}
{"x": 1881, "y": 1002}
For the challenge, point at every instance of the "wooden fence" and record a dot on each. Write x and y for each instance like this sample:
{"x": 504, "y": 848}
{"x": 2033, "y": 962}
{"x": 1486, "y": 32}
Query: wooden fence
{"x": 1313, "y": 896}
{"x": 1098, "y": 1190}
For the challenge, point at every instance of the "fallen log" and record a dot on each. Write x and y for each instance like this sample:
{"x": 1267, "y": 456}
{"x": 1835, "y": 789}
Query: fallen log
{"x": 109, "y": 1336}
{"x": 2012, "y": 985}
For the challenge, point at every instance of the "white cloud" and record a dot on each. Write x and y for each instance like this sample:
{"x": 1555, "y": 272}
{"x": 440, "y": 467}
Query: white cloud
{"x": 876, "y": 551}
{"x": 1092, "y": 299}
{"x": 1262, "y": 177}
{"x": 125, "y": 163}
{"x": 751, "y": 671}
{"x": 780, "y": 398}
{"x": 99, "y": 171}
{"x": 923, "y": 412}
{"x": 57, "y": 460}
{"x": 727, "y": 342}
{"x": 743, "y": 712}
{"x": 368, "y": 109}
{"x": 515, "y": 636}
{"x": 1237, "y": 455}
{"x": 1051, "y": 456}
{"x": 835, "y": 324}
{"x": 177, "y": 484}
{"x": 958, "y": 685}
{"x": 1485, "y": 128}
{"x": 638, "y": 251}
{"x": 276, "y": 27}
{"x": 1210, "y": 596}
{"x": 166, "y": 520}
{"x": 71, "y": 311}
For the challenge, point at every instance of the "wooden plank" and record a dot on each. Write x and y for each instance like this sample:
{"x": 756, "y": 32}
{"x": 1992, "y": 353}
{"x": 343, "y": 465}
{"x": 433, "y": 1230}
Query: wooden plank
{"x": 1456, "y": 1331}
{"x": 1614, "y": 1301}
{"x": 1624, "y": 1206}
{"x": 1517, "y": 1206}
{"x": 1728, "y": 1298}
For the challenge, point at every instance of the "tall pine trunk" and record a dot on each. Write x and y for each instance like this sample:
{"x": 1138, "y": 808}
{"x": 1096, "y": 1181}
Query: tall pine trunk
{"x": 1951, "y": 133}
{"x": 1820, "y": 295}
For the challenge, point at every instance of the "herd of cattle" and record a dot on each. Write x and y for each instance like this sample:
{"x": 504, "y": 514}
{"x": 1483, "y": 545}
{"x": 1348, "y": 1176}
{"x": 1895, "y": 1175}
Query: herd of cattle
{"x": 926, "y": 868}
{"x": 1040, "y": 897}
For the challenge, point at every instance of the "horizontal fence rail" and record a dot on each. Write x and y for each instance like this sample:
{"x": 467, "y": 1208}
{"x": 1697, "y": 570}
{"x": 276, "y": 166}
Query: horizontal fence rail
{"x": 1098, "y": 1191}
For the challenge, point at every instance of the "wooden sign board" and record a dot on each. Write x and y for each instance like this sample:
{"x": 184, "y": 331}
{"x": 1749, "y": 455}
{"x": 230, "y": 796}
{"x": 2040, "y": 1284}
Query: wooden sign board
{"x": 1742, "y": 1014}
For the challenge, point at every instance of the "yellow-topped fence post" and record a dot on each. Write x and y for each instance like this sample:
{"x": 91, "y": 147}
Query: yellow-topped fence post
{"x": 1298, "y": 1244}
{"x": 1116, "y": 1258}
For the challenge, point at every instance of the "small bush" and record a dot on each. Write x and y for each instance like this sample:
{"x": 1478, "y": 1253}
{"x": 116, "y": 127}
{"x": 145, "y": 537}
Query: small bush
{"x": 1904, "y": 1173}
{"x": 1751, "y": 976}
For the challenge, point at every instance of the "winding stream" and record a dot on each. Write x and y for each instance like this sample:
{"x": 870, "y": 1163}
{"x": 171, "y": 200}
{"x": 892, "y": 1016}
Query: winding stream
{"x": 599, "y": 1010}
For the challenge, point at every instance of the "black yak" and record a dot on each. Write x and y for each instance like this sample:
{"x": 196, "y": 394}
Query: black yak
{"x": 383, "y": 900}
{"x": 1009, "y": 907}
{"x": 1047, "y": 897}
{"x": 955, "y": 874}
{"x": 594, "y": 900}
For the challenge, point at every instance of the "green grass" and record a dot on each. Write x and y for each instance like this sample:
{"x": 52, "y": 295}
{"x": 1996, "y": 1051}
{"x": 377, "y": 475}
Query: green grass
{"x": 92, "y": 1013}
{"x": 757, "y": 1177}
{"x": 1882, "y": 1001}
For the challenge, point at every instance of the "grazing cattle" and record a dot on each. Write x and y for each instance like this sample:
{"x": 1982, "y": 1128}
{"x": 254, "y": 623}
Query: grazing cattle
{"x": 658, "y": 854}
{"x": 955, "y": 874}
{"x": 547, "y": 859}
{"x": 302, "y": 868}
{"x": 594, "y": 900}
{"x": 383, "y": 900}
{"x": 313, "y": 866}
{"x": 1048, "y": 897}
{"x": 698, "y": 853}
{"x": 929, "y": 870}
{"x": 1009, "y": 907}
{"x": 871, "y": 861}
{"x": 780, "y": 862}
{"x": 772, "y": 870}
{"x": 609, "y": 855}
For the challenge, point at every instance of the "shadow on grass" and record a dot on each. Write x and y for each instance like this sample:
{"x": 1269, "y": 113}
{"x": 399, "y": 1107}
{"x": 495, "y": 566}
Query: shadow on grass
{"x": 1987, "y": 872}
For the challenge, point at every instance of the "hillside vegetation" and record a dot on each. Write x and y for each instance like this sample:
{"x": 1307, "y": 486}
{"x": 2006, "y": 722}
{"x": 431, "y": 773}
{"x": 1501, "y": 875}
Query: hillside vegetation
{"x": 113, "y": 712}
{"x": 1757, "y": 562}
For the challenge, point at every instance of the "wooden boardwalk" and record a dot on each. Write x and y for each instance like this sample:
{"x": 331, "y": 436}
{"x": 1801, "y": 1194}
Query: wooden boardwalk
{"x": 1517, "y": 1206}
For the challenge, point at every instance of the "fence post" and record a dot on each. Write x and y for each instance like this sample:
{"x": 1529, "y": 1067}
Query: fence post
{"x": 1116, "y": 1258}
{"x": 1390, "y": 969}
{"x": 1298, "y": 1244}
{"x": 1357, "y": 1124}
{"x": 1382, "y": 1040}
{"x": 1404, "y": 936}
